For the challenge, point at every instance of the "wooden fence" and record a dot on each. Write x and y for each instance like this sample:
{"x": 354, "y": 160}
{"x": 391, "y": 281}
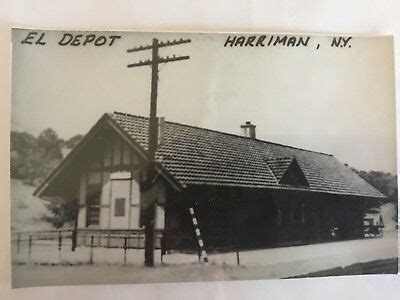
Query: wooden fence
{"x": 65, "y": 241}
{"x": 68, "y": 240}
{"x": 130, "y": 239}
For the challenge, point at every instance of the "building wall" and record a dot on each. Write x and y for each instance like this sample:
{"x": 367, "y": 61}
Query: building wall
{"x": 251, "y": 218}
{"x": 105, "y": 209}
{"x": 114, "y": 171}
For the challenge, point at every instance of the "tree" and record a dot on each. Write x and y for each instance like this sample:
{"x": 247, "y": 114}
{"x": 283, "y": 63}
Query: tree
{"x": 22, "y": 146}
{"x": 49, "y": 142}
{"x": 63, "y": 212}
{"x": 34, "y": 158}
{"x": 386, "y": 183}
{"x": 73, "y": 141}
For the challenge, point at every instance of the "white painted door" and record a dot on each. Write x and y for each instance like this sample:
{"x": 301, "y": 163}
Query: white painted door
{"x": 119, "y": 215}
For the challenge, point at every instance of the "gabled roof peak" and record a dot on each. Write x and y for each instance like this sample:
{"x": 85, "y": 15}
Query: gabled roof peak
{"x": 287, "y": 171}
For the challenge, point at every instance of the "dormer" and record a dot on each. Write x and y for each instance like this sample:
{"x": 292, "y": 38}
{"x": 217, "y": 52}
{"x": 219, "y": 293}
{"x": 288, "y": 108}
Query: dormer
{"x": 287, "y": 171}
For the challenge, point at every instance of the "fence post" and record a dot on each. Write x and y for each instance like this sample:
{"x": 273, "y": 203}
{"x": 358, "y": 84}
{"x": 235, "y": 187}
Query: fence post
{"x": 59, "y": 245}
{"x": 18, "y": 242}
{"x": 74, "y": 238}
{"x": 125, "y": 246}
{"x": 30, "y": 247}
{"x": 237, "y": 257}
{"x": 91, "y": 250}
{"x": 59, "y": 240}
{"x": 199, "y": 254}
{"x": 162, "y": 246}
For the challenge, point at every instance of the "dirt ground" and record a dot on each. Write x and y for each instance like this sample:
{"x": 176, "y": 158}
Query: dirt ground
{"x": 45, "y": 268}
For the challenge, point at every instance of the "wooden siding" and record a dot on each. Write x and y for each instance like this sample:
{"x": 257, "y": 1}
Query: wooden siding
{"x": 251, "y": 218}
{"x": 110, "y": 154}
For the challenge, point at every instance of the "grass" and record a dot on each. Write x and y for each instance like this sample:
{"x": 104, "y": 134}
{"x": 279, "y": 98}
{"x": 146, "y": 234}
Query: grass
{"x": 27, "y": 210}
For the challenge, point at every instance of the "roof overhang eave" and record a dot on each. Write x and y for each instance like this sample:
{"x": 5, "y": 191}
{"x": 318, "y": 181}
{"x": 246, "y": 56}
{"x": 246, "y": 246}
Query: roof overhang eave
{"x": 288, "y": 188}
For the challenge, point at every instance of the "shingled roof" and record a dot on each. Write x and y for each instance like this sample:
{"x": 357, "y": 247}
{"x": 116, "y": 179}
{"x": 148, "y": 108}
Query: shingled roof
{"x": 198, "y": 156}
{"x": 279, "y": 165}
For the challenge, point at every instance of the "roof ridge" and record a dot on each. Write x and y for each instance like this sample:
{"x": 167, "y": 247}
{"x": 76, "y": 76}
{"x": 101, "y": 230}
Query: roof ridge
{"x": 226, "y": 133}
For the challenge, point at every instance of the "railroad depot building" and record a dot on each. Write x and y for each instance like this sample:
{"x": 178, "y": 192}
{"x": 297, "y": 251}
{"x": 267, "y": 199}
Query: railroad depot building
{"x": 245, "y": 192}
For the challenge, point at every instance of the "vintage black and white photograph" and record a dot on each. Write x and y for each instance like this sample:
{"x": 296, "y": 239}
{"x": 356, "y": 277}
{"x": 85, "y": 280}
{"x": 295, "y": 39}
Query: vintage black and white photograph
{"x": 142, "y": 157}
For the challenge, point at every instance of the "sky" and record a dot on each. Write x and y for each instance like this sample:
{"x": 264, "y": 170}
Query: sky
{"x": 337, "y": 100}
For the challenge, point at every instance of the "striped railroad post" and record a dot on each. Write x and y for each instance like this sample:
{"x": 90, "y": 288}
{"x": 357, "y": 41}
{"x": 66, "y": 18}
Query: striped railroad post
{"x": 198, "y": 235}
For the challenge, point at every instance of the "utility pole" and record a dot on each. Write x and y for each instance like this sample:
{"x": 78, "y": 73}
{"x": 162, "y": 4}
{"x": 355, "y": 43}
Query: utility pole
{"x": 149, "y": 208}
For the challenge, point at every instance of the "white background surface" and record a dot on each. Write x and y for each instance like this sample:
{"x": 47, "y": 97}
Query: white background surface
{"x": 356, "y": 17}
